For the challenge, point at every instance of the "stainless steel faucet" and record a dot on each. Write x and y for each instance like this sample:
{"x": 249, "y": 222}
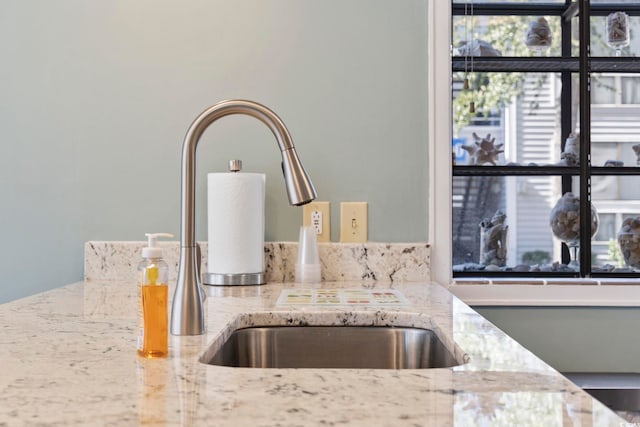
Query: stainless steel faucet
{"x": 187, "y": 313}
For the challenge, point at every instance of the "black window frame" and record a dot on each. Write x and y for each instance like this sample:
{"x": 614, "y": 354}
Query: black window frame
{"x": 566, "y": 65}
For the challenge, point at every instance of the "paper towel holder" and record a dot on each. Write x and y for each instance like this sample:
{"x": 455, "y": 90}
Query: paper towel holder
{"x": 233, "y": 279}
{"x": 187, "y": 309}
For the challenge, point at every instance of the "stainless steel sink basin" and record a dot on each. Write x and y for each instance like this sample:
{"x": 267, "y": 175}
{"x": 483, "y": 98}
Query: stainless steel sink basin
{"x": 355, "y": 347}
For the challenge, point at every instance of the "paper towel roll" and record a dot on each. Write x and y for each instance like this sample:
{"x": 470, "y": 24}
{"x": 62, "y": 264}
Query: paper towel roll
{"x": 235, "y": 208}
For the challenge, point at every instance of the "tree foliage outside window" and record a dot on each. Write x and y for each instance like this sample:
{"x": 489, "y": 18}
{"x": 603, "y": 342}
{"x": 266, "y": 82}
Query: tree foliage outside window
{"x": 491, "y": 93}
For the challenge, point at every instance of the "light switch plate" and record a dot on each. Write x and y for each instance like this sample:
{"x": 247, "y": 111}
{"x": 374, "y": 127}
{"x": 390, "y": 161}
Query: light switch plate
{"x": 353, "y": 222}
{"x": 318, "y": 216}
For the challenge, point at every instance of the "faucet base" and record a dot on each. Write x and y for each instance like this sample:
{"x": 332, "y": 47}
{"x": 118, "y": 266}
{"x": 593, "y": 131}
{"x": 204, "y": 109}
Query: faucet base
{"x": 240, "y": 279}
{"x": 187, "y": 309}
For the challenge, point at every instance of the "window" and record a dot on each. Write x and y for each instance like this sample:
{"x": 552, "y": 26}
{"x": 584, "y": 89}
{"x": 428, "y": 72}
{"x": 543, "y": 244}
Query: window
{"x": 538, "y": 120}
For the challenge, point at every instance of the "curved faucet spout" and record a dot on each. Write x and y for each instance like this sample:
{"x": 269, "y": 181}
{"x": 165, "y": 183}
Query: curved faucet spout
{"x": 187, "y": 314}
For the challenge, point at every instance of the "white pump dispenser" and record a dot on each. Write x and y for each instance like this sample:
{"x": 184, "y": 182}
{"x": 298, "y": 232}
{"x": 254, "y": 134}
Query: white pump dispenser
{"x": 152, "y": 250}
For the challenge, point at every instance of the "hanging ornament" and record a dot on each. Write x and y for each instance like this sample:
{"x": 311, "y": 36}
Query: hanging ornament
{"x": 617, "y": 31}
{"x": 538, "y": 36}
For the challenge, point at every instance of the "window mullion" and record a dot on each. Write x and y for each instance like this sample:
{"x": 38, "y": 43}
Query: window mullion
{"x": 566, "y": 104}
{"x": 585, "y": 140}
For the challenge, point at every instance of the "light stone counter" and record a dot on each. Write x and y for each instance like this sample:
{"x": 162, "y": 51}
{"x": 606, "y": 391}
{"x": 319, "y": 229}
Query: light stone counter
{"x": 68, "y": 358}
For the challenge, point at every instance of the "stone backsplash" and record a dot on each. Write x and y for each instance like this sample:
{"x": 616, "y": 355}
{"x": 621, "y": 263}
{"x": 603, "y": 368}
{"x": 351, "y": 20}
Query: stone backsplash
{"x": 406, "y": 262}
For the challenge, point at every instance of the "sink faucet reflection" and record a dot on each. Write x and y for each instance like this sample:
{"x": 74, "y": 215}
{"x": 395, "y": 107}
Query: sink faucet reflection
{"x": 187, "y": 313}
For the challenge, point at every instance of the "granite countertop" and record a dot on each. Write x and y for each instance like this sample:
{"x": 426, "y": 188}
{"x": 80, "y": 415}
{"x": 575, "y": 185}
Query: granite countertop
{"x": 68, "y": 358}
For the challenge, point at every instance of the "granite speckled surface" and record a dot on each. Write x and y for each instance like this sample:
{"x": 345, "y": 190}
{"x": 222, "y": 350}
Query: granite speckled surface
{"x": 68, "y": 358}
{"x": 107, "y": 260}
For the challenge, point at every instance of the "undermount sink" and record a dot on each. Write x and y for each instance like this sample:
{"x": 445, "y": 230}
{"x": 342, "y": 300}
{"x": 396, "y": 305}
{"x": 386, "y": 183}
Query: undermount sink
{"x": 355, "y": 347}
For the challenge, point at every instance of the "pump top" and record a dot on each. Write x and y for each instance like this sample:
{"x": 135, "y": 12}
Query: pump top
{"x": 152, "y": 250}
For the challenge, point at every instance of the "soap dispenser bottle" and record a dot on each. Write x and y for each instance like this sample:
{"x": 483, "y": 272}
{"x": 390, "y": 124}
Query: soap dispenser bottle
{"x": 153, "y": 292}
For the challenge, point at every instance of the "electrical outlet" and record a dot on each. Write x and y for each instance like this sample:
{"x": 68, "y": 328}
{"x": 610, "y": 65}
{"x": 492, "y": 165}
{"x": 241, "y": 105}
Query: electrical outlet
{"x": 318, "y": 216}
{"x": 353, "y": 222}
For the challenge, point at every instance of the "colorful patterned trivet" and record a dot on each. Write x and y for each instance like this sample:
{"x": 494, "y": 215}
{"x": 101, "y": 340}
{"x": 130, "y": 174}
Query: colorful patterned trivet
{"x": 369, "y": 297}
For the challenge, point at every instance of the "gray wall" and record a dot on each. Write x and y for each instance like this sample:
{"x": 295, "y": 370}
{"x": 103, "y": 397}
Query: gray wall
{"x": 96, "y": 98}
{"x": 574, "y": 339}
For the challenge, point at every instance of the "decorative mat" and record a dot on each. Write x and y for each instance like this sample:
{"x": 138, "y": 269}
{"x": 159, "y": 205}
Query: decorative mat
{"x": 366, "y": 297}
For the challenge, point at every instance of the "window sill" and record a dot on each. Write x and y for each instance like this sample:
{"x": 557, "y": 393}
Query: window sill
{"x": 556, "y": 292}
